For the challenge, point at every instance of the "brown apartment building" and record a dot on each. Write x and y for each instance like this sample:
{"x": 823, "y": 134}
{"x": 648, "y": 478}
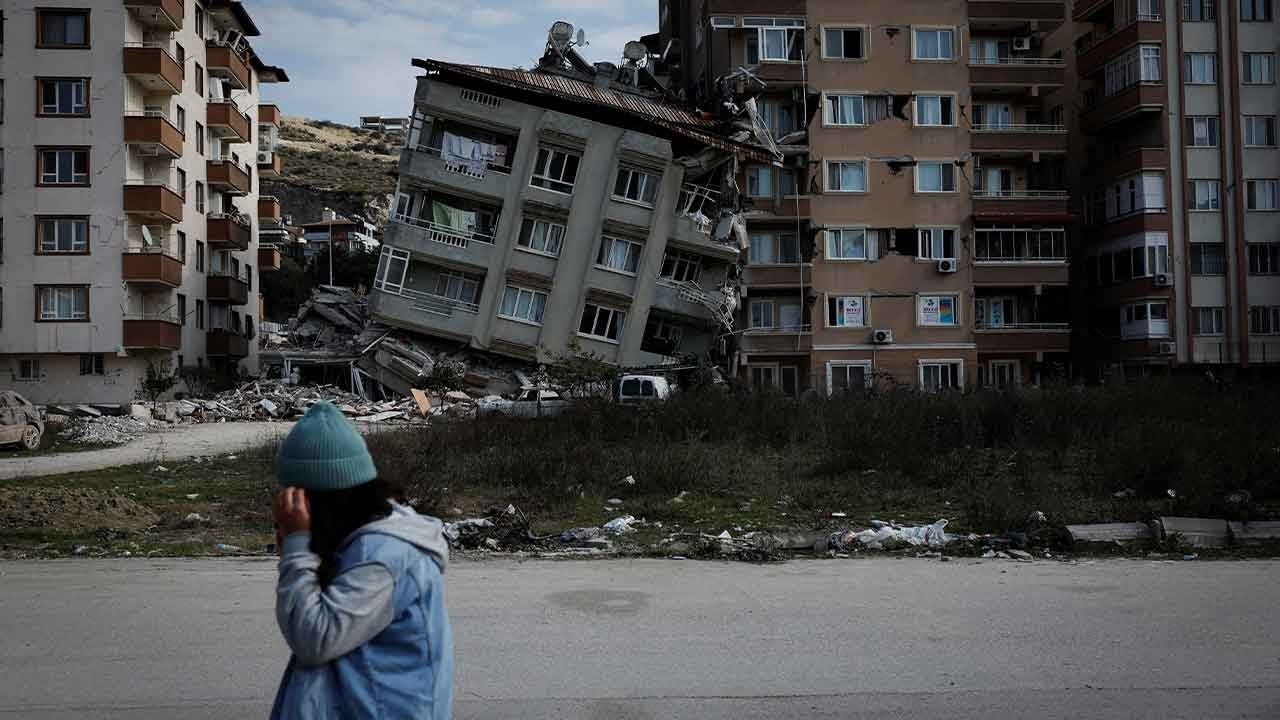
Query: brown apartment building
{"x": 917, "y": 231}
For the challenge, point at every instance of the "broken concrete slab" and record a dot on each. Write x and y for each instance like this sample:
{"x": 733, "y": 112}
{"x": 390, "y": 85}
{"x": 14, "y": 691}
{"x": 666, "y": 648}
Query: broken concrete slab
{"x": 86, "y": 411}
{"x": 1246, "y": 533}
{"x": 142, "y": 412}
{"x": 457, "y": 396}
{"x": 381, "y": 417}
{"x": 1196, "y": 532}
{"x": 1109, "y": 532}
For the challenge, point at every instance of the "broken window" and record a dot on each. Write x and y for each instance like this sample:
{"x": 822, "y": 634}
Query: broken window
{"x": 935, "y": 110}
{"x": 619, "y": 254}
{"x": 555, "y": 170}
{"x": 849, "y": 110}
{"x": 681, "y": 266}
{"x": 541, "y": 236}
{"x": 847, "y": 176}
{"x": 936, "y": 243}
{"x": 661, "y": 336}
{"x": 637, "y": 186}
{"x": 843, "y": 44}
{"x": 601, "y": 323}
{"x": 935, "y": 177}
{"x": 523, "y": 304}
{"x": 779, "y": 117}
{"x": 846, "y": 244}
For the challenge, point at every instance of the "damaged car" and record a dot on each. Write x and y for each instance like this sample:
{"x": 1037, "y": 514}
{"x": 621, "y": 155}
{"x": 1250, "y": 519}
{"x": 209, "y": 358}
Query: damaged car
{"x": 20, "y": 422}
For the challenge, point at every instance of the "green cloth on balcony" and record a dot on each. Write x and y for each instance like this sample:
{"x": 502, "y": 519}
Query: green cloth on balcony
{"x": 452, "y": 217}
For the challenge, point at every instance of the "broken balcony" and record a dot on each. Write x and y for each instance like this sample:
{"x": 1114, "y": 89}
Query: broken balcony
{"x": 453, "y": 153}
{"x": 426, "y": 297}
{"x": 153, "y": 67}
{"x": 225, "y": 62}
{"x": 668, "y": 336}
{"x": 443, "y": 226}
{"x": 1021, "y": 320}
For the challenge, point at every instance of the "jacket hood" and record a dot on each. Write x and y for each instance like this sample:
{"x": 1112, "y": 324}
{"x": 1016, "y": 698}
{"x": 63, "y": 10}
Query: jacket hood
{"x": 423, "y": 532}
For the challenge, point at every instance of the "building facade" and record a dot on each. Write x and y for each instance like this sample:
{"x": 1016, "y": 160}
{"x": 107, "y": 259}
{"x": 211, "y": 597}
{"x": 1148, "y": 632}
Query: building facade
{"x": 129, "y": 193}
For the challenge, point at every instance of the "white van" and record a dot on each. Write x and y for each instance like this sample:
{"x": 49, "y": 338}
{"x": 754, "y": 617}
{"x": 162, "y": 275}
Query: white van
{"x": 641, "y": 388}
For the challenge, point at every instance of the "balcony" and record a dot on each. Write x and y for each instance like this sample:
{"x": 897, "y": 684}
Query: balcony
{"x": 141, "y": 267}
{"x": 154, "y": 135}
{"x": 425, "y": 163}
{"x": 1003, "y": 73}
{"x": 474, "y": 247}
{"x": 152, "y": 332}
{"x": 228, "y": 232}
{"x": 268, "y": 209}
{"x": 227, "y": 177}
{"x": 152, "y": 202}
{"x": 226, "y": 289}
{"x": 273, "y": 165}
{"x": 269, "y": 115}
{"x": 424, "y": 312}
{"x": 1020, "y": 256}
{"x": 790, "y": 275}
{"x": 227, "y": 122}
{"x": 226, "y": 343}
{"x": 1145, "y": 97}
{"x": 223, "y": 62}
{"x": 153, "y": 67}
{"x": 1019, "y": 138}
{"x": 777, "y": 341}
{"x": 686, "y": 299}
{"x": 1016, "y": 13}
{"x": 1031, "y": 205}
{"x": 164, "y": 15}
{"x": 1094, "y": 50}
{"x": 268, "y": 258}
{"x": 1023, "y": 337}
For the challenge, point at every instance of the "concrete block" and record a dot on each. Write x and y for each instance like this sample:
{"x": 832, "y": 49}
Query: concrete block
{"x": 1196, "y": 532}
{"x": 142, "y": 412}
{"x": 1109, "y": 532}
{"x": 1254, "y": 532}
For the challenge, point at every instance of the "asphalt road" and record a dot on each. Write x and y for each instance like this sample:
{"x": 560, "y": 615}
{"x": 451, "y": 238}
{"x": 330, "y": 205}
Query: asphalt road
{"x": 876, "y": 639}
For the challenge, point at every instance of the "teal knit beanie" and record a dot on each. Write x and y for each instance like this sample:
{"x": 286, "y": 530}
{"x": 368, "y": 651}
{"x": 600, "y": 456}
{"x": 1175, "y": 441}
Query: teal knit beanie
{"x": 324, "y": 452}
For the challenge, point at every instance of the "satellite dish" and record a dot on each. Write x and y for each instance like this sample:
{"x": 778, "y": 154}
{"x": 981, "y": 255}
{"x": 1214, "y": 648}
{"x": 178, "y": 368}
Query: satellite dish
{"x": 146, "y": 237}
{"x": 561, "y": 32}
{"x": 582, "y": 37}
{"x": 635, "y": 51}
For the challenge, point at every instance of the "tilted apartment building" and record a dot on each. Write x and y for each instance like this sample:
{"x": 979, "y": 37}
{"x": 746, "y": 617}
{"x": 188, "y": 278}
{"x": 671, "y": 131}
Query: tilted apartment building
{"x": 133, "y": 139}
{"x": 918, "y": 232}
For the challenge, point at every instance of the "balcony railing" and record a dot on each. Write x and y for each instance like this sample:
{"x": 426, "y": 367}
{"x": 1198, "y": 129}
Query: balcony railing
{"x": 155, "y": 201}
{"x": 432, "y": 303}
{"x": 151, "y": 64}
{"x": 1004, "y": 245}
{"x": 1031, "y": 326}
{"x": 463, "y": 169}
{"x": 444, "y": 234}
{"x": 165, "y": 15}
{"x": 1020, "y": 194}
{"x": 157, "y": 331}
{"x": 1012, "y": 60}
{"x": 151, "y": 266}
{"x": 1038, "y": 129}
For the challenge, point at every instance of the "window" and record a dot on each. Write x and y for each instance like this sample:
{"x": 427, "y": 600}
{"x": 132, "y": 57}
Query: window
{"x": 774, "y": 314}
{"x": 844, "y": 44}
{"x": 180, "y": 54}
{"x": 1200, "y": 68}
{"x": 1264, "y": 258}
{"x": 199, "y": 83}
{"x": 199, "y": 256}
{"x": 779, "y": 117}
{"x": 1260, "y": 130}
{"x": 935, "y": 110}
{"x": 776, "y": 39}
{"x": 180, "y": 119}
{"x": 936, "y": 243}
{"x": 92, "y": 364}
{"x": 1259, "y": 68}
{"x": 937, "y": 310}
{"x": 1208, "y": 259}
{"x": 760, "y": 181}
{"x": 847, "y": 176}
{"x": 1199, "y": 10}
{"x": 248, "y": 276}
{"x": 762, "y": 314}
{"x": 601, "y": 323}
{"x": 182, "y": 312}
{"x": 941, "y": 375}
{"x": 63, "y": 166}
{"x": 1261, "y": 194}
{"x": 847, "y": 110}
{"x": 62, "y": 28}
{"x": 393, "y": 263}
{"x": 661, "y": 336}
{"x": 523, "y": 304}
{"x": 1202, "y": 131}
{"x": 933, "y": 43}
{"x": 1139, "y": 65}
{"x": 935, "y": 177}
{"x": 637, "y": 186}
{"x": 1208, "y": 321}
{"x": 773, "y": 249}
{"x": 847, "y": 311}
{"x": 457, "y": 286}
{"x": 199, "y": 314}
{"x": 1203, "y": 194}
{"x": 681, "y": 266}
{"x": 1149, "y": 319}
{"x": 199, "y": 139}
{"x": 541, "y": 236}
{"x": 555, "y": 170}
{"x": 63, "y": 96}
{"x": 1255, "y": 10}
{"x": 29, "y": 370}
{"x": 200, "y": 22}
{"x": 182, "y": 183}
{"x": 62, "y": 303}
{"x": 846, "y": 244}
{"x": 199, "y": 197}
{"x": 788, "y": 183}
{"x": 619, "y": 254}
{"x": 843, "y": 377}
{"x": 68, "y": 235}
{"x": 1264, "y": 320}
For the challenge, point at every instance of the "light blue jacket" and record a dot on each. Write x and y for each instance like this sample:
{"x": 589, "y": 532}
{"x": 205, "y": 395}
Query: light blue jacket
{"x": 375, "y": 644}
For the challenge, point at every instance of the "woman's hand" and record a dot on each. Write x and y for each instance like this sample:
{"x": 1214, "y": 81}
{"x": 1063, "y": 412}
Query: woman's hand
{"x": 292, "y": 512}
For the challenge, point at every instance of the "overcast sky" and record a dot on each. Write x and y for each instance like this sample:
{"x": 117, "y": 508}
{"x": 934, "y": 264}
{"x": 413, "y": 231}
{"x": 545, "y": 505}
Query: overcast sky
{"x": 347, "y": 58}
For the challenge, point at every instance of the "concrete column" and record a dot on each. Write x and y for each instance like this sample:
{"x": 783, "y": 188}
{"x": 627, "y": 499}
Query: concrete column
{"x": 651, "y": 264}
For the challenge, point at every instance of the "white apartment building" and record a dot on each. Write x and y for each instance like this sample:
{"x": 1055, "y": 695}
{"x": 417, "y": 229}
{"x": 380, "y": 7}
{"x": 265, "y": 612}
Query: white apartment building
{"x": 131, "y": 157}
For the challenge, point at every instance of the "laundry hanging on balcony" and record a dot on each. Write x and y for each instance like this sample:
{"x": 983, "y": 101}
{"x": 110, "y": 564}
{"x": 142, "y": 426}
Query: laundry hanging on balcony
{"x": 452, "y": 217}
{"x": 471, "y": 156}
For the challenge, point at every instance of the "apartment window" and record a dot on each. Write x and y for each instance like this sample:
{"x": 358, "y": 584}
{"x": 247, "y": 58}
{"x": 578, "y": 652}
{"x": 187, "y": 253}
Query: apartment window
{"x": 199, "y": 256}
{"x": 1139, "y": 65}
{"x": 1260, "y": 130}
{"x": 1202, "y": 131}
{"x": 182, "y": 312}
{"x": 29, "y": 370}
{"x": 62, "y": 235}
{"x": 938, "y": 375}
{"x": 457, "y": 286}
{"x": 601, "y": 323}
{"x": 199, "y": 197}
{"x": 182, "y": 183}
{"x": 846, "y": 244}
{"x": 1149, "y": 319}
{"x": 92, "y": 364}
{"x": 619, "y": 254}
{"x": 779, "y": 117}
{"x": 248, "y": 276}
{"x": 1203, "y": 194}
{"x": 199, "y": 77}
{"x": 936, "y": 243}
{"x": 843, "y": 377}
{"x": 937, "y": 310}
{"x": 199, "y": 314}
{"x": 760, "y": 181}
{"x": 847, "y": 176}
{"x": 772, "y": 314}
{"x": 1137, "y": 194}
{"x": 62, "y": 28}
{"x": 1199, "y": 10}
{"x": 1208, "y": 321}
{"x": 1200, "y": 68}
{"x": 555, "y": 170}
{"x": 846, "y": 311}
{"x": 1151, "y": 257}
{"x": 1264, "y": 320}
{"x": 788, "y": 183}
{"x": 1255, "y": 10}
{"x": 844, "y": 44}
{"x": 636, "y": 186}
{"x": 1262, "y": 194}
{"x": 773, "y": 249}
{"x": 180, "y": 118}
{"x": 681, "y": 266}
{"x": 933, "y": 43}
{"x": 541, "y": 236}
{"x": 199, "y": 139}
{"x": 762, "y": 314}
{"x": 523, "y": 304}
{"x": 180, "y": 54}
{"x": 1259, "y": 68}
{"x": 393, "y": 263}
{"x": 776, "y": 39}
{"x": 63, "y": 96}
{"x": 846, "y": 110}
{"x": 1264, "y": 258}
{"x": 62, "y": 303}
{"x": 935, "y": 177}
{"x": 1208, "y": 259}
{"x": 935, "y": 110}
{"x": 63, "y": 166}
{"x": 200, "y": 20}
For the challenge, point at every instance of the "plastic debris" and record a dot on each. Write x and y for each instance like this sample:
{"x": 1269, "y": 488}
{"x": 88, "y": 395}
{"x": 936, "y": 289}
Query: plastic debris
{"x": 615, "y": 501}
{"x": 455, "y": 530}
{"x": 620, "y": 525}
{"x": 223, "y": 547}
{"x": 629, "y": 480}
{"x": 193, "y": 519}
{"x": 679, "y": 499}
{"x": 887, "y": 536}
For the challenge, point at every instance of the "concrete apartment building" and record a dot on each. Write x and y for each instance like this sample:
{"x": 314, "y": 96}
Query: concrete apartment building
{"x": 917, "y": 233}
{"x": 130, "y": 198}
{"x": 542, "y": 210}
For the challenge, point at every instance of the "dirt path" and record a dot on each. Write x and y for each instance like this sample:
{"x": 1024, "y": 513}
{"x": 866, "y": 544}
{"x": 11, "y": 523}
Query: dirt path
{"x": 184, "y": 441}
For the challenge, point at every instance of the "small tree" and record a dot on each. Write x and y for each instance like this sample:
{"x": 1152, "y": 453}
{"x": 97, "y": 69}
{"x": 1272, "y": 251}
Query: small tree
{"x": 580, "y": 373}
{"x": 445, "y": 376}
{"x": 198, "y": 379}
{"x": 157, "y": 382}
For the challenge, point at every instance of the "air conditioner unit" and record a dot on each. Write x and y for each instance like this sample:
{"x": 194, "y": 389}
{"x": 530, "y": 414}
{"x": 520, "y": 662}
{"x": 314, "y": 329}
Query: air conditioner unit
{"x": 947, "y": 266}
{"x": 1022, "y": 43}
{"x": 1162, "y": 280}
{"x": 264, "y": 158}
{"x": 1167, "y": 348}
{"x": 882, "y": 337}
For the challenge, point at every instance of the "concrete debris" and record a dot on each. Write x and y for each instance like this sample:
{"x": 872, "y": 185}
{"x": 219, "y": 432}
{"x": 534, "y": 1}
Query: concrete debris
{"x": 1109, "y": 532}
{"x": 1021, "y": 555}
{"x": 193, "y": 519}
{"x": 1254, "y": 532}
{"x": 1196, "y": 532}
{"x": 106, "y": 430}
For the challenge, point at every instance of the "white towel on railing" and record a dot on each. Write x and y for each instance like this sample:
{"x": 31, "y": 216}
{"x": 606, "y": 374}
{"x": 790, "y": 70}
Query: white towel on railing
{"x": 474, "y": 156}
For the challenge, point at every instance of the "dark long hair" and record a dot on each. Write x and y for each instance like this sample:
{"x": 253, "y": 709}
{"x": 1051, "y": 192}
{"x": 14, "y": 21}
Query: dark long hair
{"x": 338, "y": 513}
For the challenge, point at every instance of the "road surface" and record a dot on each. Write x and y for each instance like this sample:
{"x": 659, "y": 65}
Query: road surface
{"x": 832, "y": 639}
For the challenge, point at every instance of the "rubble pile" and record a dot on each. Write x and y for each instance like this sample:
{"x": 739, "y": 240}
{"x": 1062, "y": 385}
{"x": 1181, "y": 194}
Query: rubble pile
{"x": 273, "y": 400}
{"x": 332, "y": 319}
{"x": 106, "y": 430}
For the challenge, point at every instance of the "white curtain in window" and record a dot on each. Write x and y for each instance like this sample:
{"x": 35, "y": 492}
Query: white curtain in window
{"x": 928, "y": 111}
{"x": 1151, "y": 63}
